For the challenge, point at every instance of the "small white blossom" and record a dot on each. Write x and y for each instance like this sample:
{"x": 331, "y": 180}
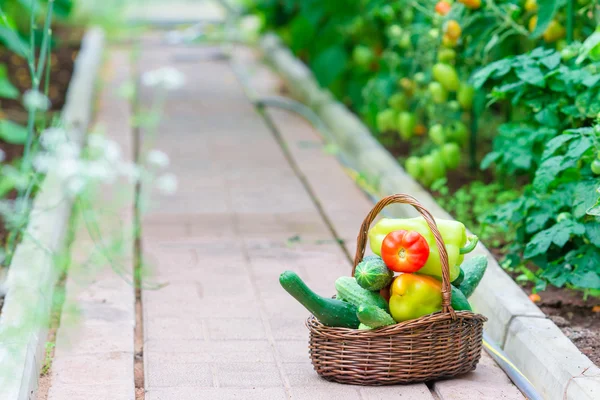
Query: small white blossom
{"x": 42, "y": 162}
{"x": 51, "y": 138}
{"x": 35, "y": 100}
{"x": 167, "y": 77}
{"x": 167, "y": 183}
{"x": 96, "y": 141}
{"x": 157, "y": 158}
{"x": 75, "y": 186}
{"x": 101, "y": 171}
{"x": 130, "y": 171}
{"x": 68, "y": 168}
{"x": 112, "y": 151}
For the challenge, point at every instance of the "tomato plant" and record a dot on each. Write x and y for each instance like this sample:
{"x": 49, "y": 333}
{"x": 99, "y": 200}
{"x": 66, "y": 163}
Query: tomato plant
{"x": 511, "y": 86}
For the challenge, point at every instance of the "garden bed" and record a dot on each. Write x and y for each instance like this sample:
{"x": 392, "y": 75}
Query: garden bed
{"x": 62, "y": 59}
{"x": 32, "y": 274}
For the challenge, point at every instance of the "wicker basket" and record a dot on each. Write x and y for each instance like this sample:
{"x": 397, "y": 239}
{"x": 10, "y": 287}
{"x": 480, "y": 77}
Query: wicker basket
{"x": 443, "y": 344}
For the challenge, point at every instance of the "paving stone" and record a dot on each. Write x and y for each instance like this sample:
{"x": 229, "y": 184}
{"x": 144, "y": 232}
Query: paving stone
{"x": 174, "y": 328}
{"x": 191, "y": 393}
{"x": 91, "y": 392}
{"x": 93, "y": 369}
{"x": 487, "y": 382}
{"x": 172, "y": 373}
{"x": 236, "y": 329}
{"x": 404, "y": 392}
{"x": 197, "y": 351}
{"x": 247, "y": 375}
{"x": 336, "y": 392}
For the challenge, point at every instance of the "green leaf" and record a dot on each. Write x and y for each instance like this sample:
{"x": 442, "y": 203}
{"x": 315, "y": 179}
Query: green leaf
{"x": 592, "y": 41}
{"x": 556, "y": 143}
{"x": 584, "y": 197}
{"x": 558, "y": 234}
{"x": 500, "y": 68}
{"x": 532, "y": 75}
{"x": 592, "y": 231}
{"x": 546, "y": 11}
{"x": 587, "y": 280}
{"x": 7, "y": 90}
{"x": 547, "y": 173}
{"x": 329, "y": 65}
{"x": 11, "y": 39}
{"x": 551, "y": 61}
{"x": 12, "y": 133}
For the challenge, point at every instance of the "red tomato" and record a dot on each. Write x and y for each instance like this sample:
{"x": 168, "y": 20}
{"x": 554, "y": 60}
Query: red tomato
{"x": 404, "y": 251}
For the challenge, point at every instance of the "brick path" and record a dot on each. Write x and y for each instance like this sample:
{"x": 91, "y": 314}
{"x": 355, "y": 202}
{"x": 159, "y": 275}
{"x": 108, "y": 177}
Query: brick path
{"x": 252, "y": 203}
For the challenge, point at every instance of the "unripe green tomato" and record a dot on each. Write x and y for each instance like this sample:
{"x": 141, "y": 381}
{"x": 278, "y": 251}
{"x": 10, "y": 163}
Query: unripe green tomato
{"x": 420, "y": 78}
{"x": 413, "y": 167}
{"x": 408, "y": 15}
{"x": 434, "y": 33}
{"x": 437, "y": 134}
{"x": 436, "y": 20}
{"x": 387, "y": 13}
{"x": 596, "y": 166}
{"x": 363, "y": 55}
{"x": 563, "y": 216}
{"x": 447, "y": 76}
{"x": 406, "y": 124}
{"x": 451, "y": 155}
{"x": 398, "y": 101}
{"x": 446, "y": 55}
{"x": 395, "y": 32}
{"x": 465, "y": 96}
{"x": 386, "y": 120}
{"x": 433, "y": 168}
{"x": 439, "y": 95}
{"x": 457, "y": 132}
{"x": 454, "y": 105}
{"x": 405, "y": 42}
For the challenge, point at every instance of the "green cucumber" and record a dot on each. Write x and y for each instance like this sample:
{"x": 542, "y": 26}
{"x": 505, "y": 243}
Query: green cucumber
{"x": 459, "y": 300}
{"x": 374, "y": 317}
{"x": 364, "y": 327}
{"x": 330, "y": 312}
{"x": 474, "y": 269}
{"x": 348, "y": 289}
{"x": 372, "y": 273}
{"x": 459, "y": 279}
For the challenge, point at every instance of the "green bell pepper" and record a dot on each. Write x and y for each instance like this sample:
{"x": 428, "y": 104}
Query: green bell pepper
{"x": 453, "y": 233}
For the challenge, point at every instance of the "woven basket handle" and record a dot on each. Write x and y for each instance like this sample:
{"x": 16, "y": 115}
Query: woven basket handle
{"x": 407, "y": 199}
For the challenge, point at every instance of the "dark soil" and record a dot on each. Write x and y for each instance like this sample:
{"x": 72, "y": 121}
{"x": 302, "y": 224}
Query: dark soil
{"x": 61, "y": 68}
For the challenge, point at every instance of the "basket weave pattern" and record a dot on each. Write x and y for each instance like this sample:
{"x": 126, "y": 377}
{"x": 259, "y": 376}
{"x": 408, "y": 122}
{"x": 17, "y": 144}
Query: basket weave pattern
{"x": 443, "y": 344}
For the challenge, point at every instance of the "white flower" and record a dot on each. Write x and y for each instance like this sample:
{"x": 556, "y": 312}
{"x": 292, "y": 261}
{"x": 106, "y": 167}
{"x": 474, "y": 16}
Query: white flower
{"x": 42, "y": 162}
{"x": 35, "y": 100}
{"x": 167, "y": 77}
{"x": 101, "y": 171}
{"x": 51, "y": 138}
{"x": 157, "y": 158}
{"x": 167, "y": 183}
{"x": 112, "y": 151}
{"x": 68, "y": 151}
{"x": 130, "y": 171}
{"x": 68, "y": 167}
{"x": 75, "y": 186}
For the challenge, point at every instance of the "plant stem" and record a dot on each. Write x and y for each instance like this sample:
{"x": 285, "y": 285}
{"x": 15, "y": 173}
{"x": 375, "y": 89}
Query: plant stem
{"x": 570, "y": 20}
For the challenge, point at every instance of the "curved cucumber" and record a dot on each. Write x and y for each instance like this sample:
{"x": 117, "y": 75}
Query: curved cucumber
{"x": 459, "y": 279}
{"x": 474, "y": 269}
{"x": 330, "y": 312}
{"x": 374, "y": 317}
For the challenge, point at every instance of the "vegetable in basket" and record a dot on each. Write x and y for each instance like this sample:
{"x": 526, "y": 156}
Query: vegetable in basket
{"x": 330, "y": 312}
{"x": 414, "y": 296}
{"x": 473, "y": 268}
{"x": 404, "y": 251}
{"x": 453, "y": 233}
{"x": 372, "y": 273}
{"x": 349, "y": 290}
